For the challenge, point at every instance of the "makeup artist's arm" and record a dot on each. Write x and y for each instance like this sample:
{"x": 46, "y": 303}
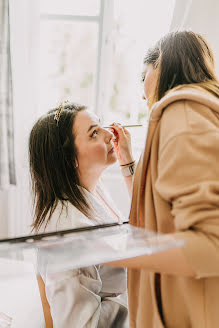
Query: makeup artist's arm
{"x": 171, "y": 262}
{"x": 122, "y": 145}
{"x": 129, "y": 184}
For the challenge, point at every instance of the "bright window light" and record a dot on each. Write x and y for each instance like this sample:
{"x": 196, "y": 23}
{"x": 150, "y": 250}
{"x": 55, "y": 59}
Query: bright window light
{"x": 68, "y": 62}
{"x": 137, "y": 26}
{"x": 71, "y": 7}
{"x": 70, "y": 41}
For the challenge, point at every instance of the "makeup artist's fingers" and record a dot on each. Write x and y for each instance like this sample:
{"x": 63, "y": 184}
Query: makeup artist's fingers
{"x": 126, "y": 132}
{"x": 122, "y": 143}
{"x": 115, "y": 134}
{"x": 119, "y": 129}
{"x": 121, "y": 132}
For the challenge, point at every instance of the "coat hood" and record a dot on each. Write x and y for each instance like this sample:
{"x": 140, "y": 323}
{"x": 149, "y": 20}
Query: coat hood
{"x": 196, "y": 94}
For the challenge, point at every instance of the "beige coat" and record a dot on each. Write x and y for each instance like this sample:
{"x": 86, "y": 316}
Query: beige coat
{"x": 176, "y": 190}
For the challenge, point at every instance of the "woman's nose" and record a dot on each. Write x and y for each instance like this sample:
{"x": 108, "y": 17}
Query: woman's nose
{"x": 143, "y": 96}
{"x": 108, "y": 136}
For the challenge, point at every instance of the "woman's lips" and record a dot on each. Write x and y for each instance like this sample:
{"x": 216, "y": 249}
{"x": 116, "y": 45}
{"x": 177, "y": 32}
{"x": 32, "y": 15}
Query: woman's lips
{"x": 111, "y": 150}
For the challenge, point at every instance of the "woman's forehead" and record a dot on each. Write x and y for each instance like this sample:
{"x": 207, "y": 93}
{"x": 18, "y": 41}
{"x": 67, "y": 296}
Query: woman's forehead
{"x": 84, "y": 119}
{"x": 147, "y": 67}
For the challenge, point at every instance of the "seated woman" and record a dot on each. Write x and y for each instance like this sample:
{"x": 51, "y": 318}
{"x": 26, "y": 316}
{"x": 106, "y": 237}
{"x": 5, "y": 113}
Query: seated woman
{"x": 68, "y": 151}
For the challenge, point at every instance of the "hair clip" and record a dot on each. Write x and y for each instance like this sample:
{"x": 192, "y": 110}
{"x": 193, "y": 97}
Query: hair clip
{"x": 58, "y": 113}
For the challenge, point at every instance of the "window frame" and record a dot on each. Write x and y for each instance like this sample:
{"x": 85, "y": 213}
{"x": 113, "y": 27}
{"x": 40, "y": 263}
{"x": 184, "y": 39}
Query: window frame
{"x": 104, "y": 48}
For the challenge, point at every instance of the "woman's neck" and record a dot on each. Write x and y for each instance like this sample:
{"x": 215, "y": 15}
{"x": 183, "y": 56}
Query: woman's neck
{"x": 89, "y": 180}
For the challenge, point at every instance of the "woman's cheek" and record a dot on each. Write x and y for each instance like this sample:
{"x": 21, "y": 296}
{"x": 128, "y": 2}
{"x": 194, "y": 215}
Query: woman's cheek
{"x": 147, "y": 87}
{"x": 98, "y": 150}
{"x": 150, "y": 83}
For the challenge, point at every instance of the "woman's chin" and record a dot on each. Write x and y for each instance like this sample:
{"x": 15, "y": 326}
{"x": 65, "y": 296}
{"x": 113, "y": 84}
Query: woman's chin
{"x": 112, "y": 158}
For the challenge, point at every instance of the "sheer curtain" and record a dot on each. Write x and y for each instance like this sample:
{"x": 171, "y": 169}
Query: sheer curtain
{"x": 7, "y": 162}
{"x": 15, "y": 203}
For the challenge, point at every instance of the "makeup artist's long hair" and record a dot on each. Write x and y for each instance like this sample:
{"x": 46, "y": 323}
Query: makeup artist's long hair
{"x": 52, "y": 159}
{"x": 182, "y": 58}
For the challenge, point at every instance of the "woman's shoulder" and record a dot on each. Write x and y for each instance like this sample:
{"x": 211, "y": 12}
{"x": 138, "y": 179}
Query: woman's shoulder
{"x": 66, "y": 216}
{"x": 181, "y": 97}
{"x": 194, "y": 112}
{"x": 183, "y": 93}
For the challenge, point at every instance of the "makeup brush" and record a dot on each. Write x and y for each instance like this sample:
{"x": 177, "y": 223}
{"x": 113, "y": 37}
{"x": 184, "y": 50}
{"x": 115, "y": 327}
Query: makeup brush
{"x": 125, "y": 126}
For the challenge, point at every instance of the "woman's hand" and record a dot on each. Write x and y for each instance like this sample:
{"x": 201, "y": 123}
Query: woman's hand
{"x": 122, "y": 144}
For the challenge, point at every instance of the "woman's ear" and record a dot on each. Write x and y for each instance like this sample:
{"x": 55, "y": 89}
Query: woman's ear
{"x": 75, "y": 163}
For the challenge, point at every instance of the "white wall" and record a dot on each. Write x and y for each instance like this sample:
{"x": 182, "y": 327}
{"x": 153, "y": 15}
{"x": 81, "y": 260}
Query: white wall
{"x": 201, "y": 16}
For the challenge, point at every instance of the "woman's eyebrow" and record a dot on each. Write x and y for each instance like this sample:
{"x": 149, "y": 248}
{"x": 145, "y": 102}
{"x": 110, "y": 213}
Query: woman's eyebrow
{"x": 91, "y": 127}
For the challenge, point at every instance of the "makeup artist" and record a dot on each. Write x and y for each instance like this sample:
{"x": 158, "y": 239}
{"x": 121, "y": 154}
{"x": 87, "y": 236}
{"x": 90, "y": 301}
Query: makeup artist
{"x": 176, "y": 188}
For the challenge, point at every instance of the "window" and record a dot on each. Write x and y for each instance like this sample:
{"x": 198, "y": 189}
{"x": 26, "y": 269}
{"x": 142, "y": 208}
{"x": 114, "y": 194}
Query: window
{"x": 92, "y": 53}
{"x": 71, "y": 7}
{"x": 68, "y": 49}
{"x": 137, "y": 25}
{"x": 68, "y": 61}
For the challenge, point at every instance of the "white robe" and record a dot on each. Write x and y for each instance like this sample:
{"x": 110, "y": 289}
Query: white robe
{"x": 90, "y": 297}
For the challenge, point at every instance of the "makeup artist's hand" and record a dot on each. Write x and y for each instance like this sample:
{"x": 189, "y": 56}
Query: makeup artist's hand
{"x": 122, "y": 144}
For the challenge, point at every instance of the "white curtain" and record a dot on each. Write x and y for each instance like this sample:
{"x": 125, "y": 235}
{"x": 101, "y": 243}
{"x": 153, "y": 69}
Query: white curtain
{"x": 15, "y": 204}
{"x": 200, "y": 16}
{"x": 7, "y": 161}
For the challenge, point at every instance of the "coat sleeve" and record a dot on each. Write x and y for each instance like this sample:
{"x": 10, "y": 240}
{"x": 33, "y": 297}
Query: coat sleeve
{"x": 188, "y": 178}
{"x": 73, "y": 298}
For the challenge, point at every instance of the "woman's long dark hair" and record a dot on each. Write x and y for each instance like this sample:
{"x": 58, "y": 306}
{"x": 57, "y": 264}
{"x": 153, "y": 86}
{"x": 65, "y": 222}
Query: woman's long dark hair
{"x": 52, "y": 159}
{"x": 182, "y": 58}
